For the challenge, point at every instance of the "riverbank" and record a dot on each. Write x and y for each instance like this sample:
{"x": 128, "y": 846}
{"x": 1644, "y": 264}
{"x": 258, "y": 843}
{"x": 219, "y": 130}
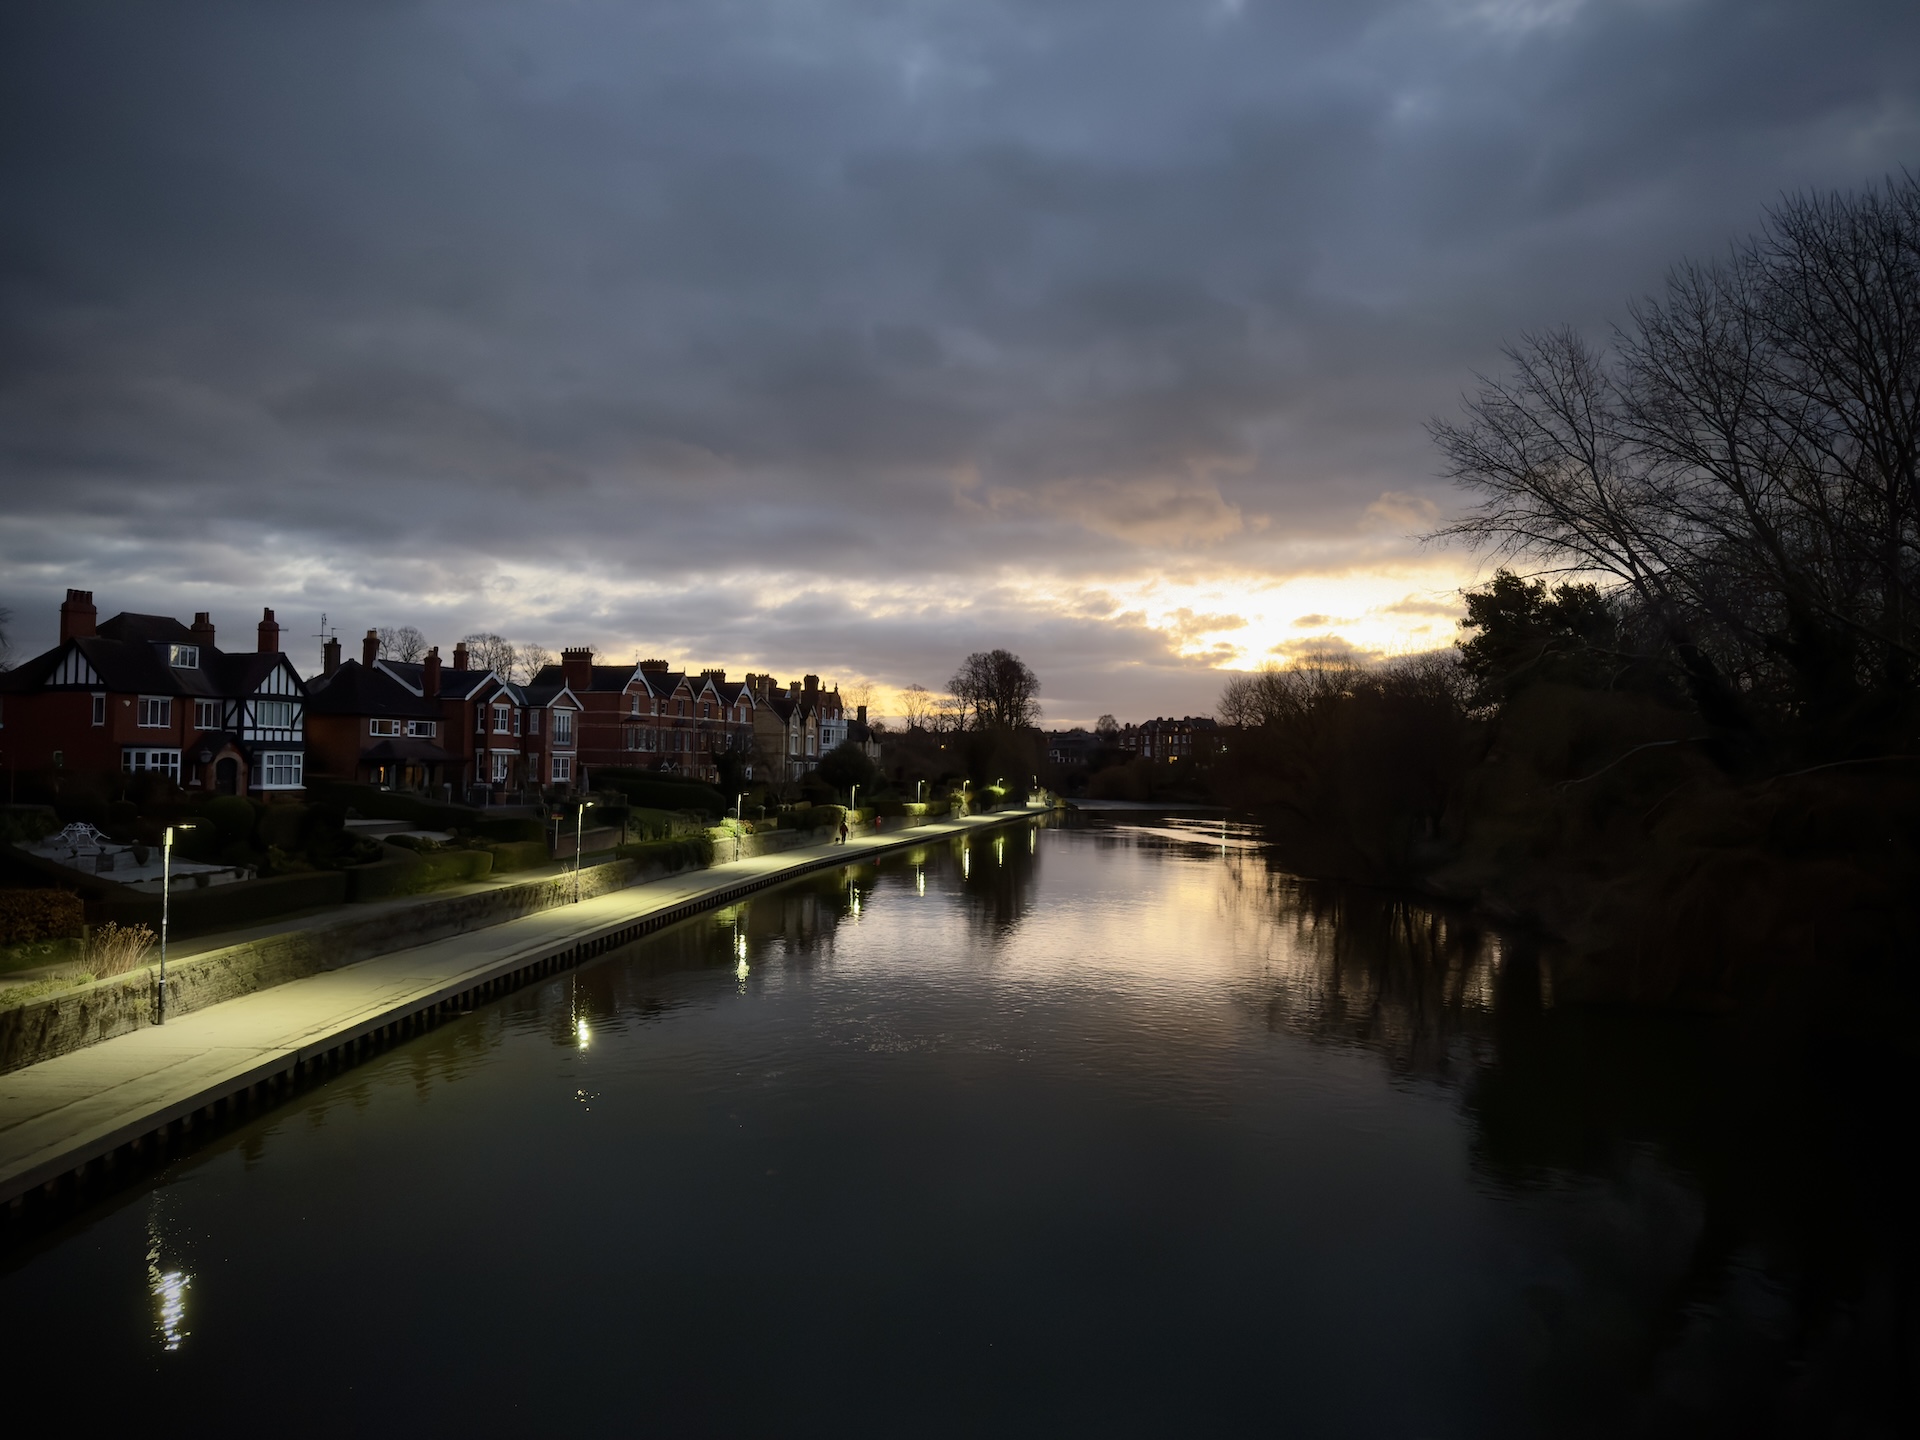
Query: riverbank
{"x": 118, "y": 1102}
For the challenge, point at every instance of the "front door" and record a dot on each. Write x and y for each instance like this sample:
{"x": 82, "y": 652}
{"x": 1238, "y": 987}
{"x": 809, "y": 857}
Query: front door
{"x": 226, "y": 776}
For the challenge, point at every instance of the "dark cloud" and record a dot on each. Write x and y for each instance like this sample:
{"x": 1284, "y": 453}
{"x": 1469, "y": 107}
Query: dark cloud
{"x": 797, "y": 333}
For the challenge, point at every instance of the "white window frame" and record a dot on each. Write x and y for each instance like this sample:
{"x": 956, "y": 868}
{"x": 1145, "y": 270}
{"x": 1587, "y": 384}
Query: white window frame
{"x": 533, "y": 722}
{"x": 421, "y": 729}
{"x": 99, "y": 707}
{"x": 154, "y": 712}
{"x": 260, "y": 711}
{"x": 206, "y": 714}
{"x": 383, "y": 727}
{"x": 500, "y": 722}
{"x": 138, "y": 760}
{"x": 502, "y": 762}
{"x": 183, "y": 657}
{"x": 563, "y": 727}
{"x": 281, "y": 770}
{"x": 563, "y": 769}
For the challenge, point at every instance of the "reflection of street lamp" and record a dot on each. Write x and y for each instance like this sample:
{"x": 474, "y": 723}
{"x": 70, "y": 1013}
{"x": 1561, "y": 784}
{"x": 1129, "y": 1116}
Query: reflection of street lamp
{"x": 579, "y": 832}
{"x": 166, "y": 898}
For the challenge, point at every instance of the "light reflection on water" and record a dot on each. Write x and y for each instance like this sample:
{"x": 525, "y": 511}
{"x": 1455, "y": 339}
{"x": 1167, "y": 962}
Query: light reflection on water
{"x": 1118, "y": 1130}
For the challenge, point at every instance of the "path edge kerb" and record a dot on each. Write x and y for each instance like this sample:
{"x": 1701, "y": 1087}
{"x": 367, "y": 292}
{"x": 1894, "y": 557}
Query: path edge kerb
{"x": 72, "y": 1157}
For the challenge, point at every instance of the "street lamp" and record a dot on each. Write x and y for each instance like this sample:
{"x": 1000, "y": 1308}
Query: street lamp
{"x": 166, "y": 900}
{"x": 579, "y": 831}
{"x": 739, "y": 822}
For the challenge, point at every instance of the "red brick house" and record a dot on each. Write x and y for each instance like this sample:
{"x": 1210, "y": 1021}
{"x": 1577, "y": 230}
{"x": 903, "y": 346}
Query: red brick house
{"x": 365, "y": 725}
{"x": 146, "y": 694}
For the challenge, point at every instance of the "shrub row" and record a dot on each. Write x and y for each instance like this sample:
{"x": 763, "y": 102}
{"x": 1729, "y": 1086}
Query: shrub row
{"x": 30, "y": 915}
{"x": 683, "y": 851}
{"x": 643, "y": 788}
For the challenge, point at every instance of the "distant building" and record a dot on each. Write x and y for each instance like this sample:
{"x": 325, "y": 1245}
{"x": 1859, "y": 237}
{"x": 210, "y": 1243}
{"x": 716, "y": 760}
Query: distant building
{"x": 1165, "y": 740}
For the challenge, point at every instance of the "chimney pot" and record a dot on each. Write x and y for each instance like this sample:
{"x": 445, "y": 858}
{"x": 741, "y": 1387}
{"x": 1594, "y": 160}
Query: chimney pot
{"x": 202, "y": 628}
{"x": 370, "y": 649}
{"x": 269, "y": 632}
{"x": 576, "y": 664}
{"x": 330, "y": 655}
{"x": 78, "y": 616}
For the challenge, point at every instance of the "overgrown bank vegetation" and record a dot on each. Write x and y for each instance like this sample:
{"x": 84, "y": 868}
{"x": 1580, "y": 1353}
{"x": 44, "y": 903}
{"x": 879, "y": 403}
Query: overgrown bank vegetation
{"x": 1686, "y": 740}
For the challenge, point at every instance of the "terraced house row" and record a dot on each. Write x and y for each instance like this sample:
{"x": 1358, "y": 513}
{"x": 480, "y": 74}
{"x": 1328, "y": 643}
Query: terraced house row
{"x": 146, "y": 693}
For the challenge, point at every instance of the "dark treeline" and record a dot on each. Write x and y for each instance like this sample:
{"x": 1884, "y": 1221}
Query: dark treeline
{"x": 1685, "y": 735}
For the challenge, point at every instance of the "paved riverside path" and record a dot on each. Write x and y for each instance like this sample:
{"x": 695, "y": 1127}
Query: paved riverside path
{"x": 61, "y": 1114}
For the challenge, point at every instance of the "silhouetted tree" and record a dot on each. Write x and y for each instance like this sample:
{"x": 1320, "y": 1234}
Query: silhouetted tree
{"x": 999, "y": 689}
{"x": 405, "y": 643}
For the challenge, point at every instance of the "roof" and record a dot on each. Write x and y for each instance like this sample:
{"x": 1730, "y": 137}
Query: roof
{"x": 138, "y": 667}
{"x": 454, "y": 684}
{"x": 356, "y": 689}
{"x": 605, "y": 677}
{"x": 130, "y": 626}
{"x": 544, "y": 695}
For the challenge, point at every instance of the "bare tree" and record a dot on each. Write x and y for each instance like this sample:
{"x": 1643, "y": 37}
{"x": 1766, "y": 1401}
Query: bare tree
{"x": 531, "y": 660}
{"x": 999, "y": 689}
{"x": 488, "y": 651}
{"x": 916, "y": 707}
{"x": 404, "y": 643}
{"x": 1107, "y": 728}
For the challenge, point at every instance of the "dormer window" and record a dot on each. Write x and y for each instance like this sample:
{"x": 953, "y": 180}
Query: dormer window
{"x": 183, "y": 657}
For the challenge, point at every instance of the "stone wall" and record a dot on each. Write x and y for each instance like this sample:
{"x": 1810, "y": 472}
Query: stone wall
{"x": 54, "y": 1024}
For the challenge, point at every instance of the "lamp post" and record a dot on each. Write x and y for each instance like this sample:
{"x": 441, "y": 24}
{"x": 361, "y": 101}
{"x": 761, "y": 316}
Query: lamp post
{"x": 579, "y": 831}
{"x": 166, "y": 901}
{"x": 739, "y": 822}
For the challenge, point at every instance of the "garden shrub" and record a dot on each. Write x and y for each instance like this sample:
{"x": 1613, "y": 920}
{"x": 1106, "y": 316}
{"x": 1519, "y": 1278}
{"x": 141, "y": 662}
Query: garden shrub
{"x": 30, "y": 915}
{"x": 683, "y": 851}
{"x": 643, "y": 788}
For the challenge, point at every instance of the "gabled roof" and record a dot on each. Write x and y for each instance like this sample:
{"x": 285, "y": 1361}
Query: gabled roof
{"x": 138, "y": 667}
{"x": 606, "y": 678}
{"x": 356, "y": 689}
{"x": 544, "y": 696}
{"x": 454, "y": 684}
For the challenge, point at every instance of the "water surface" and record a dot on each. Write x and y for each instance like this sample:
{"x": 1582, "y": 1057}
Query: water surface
{"x": 1101, "y": 1130}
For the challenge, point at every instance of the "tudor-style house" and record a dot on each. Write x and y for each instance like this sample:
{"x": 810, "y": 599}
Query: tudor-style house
{"x": 144, "y": 693}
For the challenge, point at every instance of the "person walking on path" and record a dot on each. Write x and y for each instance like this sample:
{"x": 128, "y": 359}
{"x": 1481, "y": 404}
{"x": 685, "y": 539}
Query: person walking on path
{"x": 843, "y": 829}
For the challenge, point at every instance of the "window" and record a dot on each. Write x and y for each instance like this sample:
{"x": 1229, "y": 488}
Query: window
{"x": 156, "y": 712}
{"x": 383, "y": 727}
{"x": 635, "y": 740}
{"x": 273, "y": 714}
{"x": 206, "y": 714}
{"x": 420, "y": 729}
{"x": 500, "y": 719}
{"x": 533, "y": 722}
{"x": 501, "y": 760}
{"x": 166, "y": 762}
{"x": 562, "y": 769}
{"x": 281, "y": 769}
{"x": 516, "y": 721}
{"x": 184, "y": 657}
{"x": 635, "y": 701}
{"x": 99, "y": 708}
{"x": 680, "y": 707}
{"x": 480, "y": 721}
{"x": 563, "y": 727}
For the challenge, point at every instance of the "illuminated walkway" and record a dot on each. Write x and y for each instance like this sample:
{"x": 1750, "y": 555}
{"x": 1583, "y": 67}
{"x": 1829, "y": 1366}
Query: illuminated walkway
{"x": 98, "y": 1106}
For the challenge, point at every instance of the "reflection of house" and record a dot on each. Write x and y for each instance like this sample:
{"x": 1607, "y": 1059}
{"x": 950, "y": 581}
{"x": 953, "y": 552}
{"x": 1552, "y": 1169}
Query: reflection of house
{"x": 363, "y": 724}
{"x": 144, "y": 693}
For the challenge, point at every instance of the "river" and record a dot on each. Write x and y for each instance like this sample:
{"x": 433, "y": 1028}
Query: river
{"x": 1099, "y": 1129}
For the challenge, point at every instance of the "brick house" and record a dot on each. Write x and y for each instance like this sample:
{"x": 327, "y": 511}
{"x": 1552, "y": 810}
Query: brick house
{"x": 146, "y": 694}
{"x": 464, "y": 696}
{"x": 363, "y": 724}
{"x": 1165, "y": 740}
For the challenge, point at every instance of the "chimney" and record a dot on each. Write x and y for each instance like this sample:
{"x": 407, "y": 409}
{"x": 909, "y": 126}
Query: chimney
{"x": 330, "y": 655}
{"x": 269, "y": 633}
{"x": 813, "y": 684}
{"x": 861, "y": 712}
{"x": 460, "y": 655}
{"x": 370, "y": 649}
{"x": 430, "y": 675}
{"x": 202, "y": 629}
{"x": 576, "y": 663}
{"x": 77, "y": 616}
{"x": 654, "y": 667}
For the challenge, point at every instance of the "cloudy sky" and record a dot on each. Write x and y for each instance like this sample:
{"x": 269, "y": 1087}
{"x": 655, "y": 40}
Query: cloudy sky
{"x": 843, "y": 335}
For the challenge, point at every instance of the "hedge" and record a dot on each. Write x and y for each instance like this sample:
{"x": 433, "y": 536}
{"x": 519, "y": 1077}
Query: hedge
{"x": 228, "y": 907}
{"x": 404, "y": 873}
{"x": 376, "y": 804}
{"x": 684, "y": 851}
{"x": 518, "y": 854}
{"x": 30, "y": 915}
{"x": 644, "y": 788}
